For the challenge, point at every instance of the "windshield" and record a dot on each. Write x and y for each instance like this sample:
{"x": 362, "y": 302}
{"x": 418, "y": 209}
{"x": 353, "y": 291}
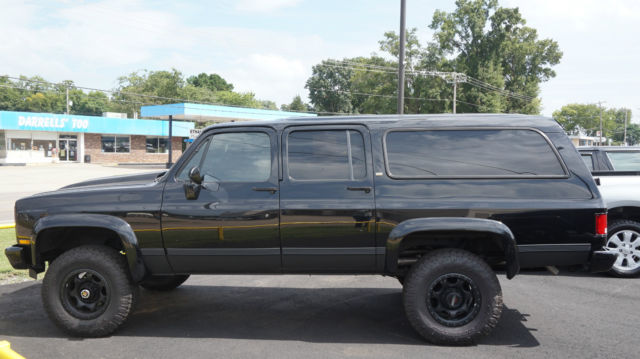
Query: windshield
{"x": 624, "y": 161}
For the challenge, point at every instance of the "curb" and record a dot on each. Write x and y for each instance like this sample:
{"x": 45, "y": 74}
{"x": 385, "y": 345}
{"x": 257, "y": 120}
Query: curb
{"x": 6, "y": 352}
{"x": 7, "y": 225}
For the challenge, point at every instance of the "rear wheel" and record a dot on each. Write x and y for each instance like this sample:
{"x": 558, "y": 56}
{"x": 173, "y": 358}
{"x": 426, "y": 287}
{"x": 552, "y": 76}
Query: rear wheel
{"x": 452, "y": 297}
{"x": 163, "y": 282}
{"x": 88, "y": 292}
{"x": 624, "y": 240}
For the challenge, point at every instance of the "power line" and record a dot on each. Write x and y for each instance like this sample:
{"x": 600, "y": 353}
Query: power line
{"x": 451, "y": 77}
{"x": 211, "y": 103}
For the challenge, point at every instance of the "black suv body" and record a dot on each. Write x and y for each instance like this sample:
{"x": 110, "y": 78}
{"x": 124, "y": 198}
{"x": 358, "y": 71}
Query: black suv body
{"x": 435, "y": 200}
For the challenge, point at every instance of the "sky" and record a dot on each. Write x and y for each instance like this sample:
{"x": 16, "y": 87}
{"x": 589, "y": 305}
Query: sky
{"x": 269, "y": 46}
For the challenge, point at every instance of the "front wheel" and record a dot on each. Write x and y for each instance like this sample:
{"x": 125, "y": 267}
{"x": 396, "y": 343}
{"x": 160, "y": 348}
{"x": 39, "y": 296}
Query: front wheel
{"x": 452, "y": 297}
{"x": 88, "y": 292}
{"x": 624, "y": 240}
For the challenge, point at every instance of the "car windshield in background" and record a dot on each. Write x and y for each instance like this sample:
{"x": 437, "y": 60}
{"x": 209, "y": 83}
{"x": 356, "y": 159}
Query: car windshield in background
{"x": 624, "y": 161}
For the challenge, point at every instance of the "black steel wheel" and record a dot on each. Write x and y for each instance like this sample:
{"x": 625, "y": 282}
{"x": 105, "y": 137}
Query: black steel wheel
{"x": 163, "y": 282}
{"x": 85, "y": 294}
{"x": 452, "y": 297}
{"x": 88, "y": 292}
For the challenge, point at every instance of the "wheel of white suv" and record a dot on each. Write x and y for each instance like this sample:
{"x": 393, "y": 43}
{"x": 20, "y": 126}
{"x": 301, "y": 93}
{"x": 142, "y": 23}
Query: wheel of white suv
{"x": 452, "y": 297}
{"x": 88, "y": 292}
{"x": 624, "y": 240}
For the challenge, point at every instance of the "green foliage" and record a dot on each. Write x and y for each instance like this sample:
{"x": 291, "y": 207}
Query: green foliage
{"x": 479, "y": 38}
{"x": 212, "y": 82}
{"x": 296, "y": 105}
{"x": 585, "y": 119}
{"x": 134, "y": 90}
{"x": 329, "y": 88}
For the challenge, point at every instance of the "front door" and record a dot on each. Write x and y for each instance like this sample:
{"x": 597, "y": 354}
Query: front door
{"x": 327, "y": 200}
{"x": 232, "y": 225}
{"x": 68, "y": 150}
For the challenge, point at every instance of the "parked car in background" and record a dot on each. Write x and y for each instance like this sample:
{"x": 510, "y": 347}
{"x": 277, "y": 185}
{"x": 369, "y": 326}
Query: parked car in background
{"x": 617, "y": 169}
{"x": 437, "y": 201}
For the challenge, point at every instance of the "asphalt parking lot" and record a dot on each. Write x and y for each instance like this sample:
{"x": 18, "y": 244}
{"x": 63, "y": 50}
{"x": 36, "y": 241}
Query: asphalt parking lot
{"x": 567, "y": 316}
{"x": 21, "y": 181}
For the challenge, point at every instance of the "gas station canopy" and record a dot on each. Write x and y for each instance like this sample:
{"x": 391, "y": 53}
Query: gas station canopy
{"x": 214, "y": 113}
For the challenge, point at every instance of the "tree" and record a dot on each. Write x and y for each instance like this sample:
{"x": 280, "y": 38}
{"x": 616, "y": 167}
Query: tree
{"x": 212, "y": 82}
{"x": 492, "y": 44}
{"x": 585, "y": 119}
{"x": 296, "y": 105}
{"x": 329, "y": 87}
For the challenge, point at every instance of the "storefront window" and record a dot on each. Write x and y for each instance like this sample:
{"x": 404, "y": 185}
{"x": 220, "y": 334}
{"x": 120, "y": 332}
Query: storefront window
{"x": 157, "y": 144}
{"x": 44, "y": 146}
{"x": 20, "y": 144}
{"x": 120, "y": 144}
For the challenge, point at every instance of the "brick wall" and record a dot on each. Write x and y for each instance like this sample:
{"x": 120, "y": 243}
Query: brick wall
{"x": 138, "y": 154}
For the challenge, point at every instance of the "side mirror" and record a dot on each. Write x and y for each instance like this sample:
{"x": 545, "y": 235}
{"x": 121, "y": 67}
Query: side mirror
{"x": 194, "y": 175}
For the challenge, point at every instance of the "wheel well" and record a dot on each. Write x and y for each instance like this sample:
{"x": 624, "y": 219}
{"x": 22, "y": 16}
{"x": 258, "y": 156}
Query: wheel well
{"x": 488, "y": 246}
{"x": 631, "y": 213}
{"x": 55, "y": 241}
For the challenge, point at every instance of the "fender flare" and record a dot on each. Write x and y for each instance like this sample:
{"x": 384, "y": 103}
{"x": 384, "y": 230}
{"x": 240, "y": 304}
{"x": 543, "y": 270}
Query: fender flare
{"x": 457, "y": 224}
{"x": 119, "y": 226}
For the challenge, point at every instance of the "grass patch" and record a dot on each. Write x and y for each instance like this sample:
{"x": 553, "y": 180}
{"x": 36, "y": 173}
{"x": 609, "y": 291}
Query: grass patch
{"x": 7, "y": 273}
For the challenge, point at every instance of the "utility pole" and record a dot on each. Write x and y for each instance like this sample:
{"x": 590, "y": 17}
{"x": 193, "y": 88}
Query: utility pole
{"x": 403, "y": 8}
{"x": 600, "y": 105}
{"x": 455, "y": 88}
{"x": 624, "y": 139}
{"x": 67, "y": 100}
{"x": 453, "y": 78}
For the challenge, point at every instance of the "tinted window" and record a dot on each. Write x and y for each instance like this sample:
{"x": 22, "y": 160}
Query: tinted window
{"x": 480, "y": 153}
{"x": 625, "y": 161}
{"x": 238, "y": 157}
{"x": 588, "y": 160}
{"x": 326, "y": 155}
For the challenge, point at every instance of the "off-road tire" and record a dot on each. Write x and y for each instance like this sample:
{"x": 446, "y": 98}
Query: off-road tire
{"x": 452, "y": 262}
{"x": 105, "y": 262}
{"x": 163, "y": 282}
{"x": 619, "y": 269}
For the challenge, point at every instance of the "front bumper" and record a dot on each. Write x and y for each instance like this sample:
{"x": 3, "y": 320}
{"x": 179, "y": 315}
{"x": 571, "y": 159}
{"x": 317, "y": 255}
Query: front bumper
{"x": 602, "y": 261}
{"x": 17, "y": 256}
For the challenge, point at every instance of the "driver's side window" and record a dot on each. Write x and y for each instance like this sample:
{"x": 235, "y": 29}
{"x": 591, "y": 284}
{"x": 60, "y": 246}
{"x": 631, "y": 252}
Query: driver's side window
{"x": 233, "y": 157}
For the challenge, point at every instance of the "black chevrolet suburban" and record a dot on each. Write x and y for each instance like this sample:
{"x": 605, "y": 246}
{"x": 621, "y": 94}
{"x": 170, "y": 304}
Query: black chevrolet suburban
{"x": 437, "y": 201}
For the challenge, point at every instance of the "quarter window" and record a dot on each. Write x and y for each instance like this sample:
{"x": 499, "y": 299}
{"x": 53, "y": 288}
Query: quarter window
{"x": 588, "y": 160}
{"x": 624, "y": 161}
{"x": 470, "y": 153}
{"x": 326, "y": 155}
{"x": 120, "y": 144}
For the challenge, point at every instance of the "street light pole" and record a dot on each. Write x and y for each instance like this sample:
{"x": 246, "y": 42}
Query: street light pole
{"x": 401, "y": 58}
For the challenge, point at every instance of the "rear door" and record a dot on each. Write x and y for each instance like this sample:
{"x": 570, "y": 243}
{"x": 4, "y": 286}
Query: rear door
{"x": 327, "y": 204}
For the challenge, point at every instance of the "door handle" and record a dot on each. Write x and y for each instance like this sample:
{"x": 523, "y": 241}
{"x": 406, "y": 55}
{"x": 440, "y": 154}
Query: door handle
{"x": 365, "y": 189}
{"x": 266, "y": 189}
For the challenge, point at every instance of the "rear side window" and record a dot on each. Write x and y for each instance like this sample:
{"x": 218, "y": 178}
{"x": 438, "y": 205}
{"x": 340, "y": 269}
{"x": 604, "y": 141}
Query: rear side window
{"x": 624, "y": 161}
{"x": 326, "y": 155}
{"x": 588, "y": 160}
{"x": 470, "y": 153}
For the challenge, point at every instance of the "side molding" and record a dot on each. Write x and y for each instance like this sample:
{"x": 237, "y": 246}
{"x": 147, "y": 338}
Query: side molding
{"x": 454, "y": 224}
{"x": 118, "y": 225}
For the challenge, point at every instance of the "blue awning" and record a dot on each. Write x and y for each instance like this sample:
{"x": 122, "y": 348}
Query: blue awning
{"x": 215, "y": 113}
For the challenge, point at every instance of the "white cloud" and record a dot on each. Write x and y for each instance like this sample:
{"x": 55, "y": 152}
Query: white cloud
{"x": 264, "y": 5}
